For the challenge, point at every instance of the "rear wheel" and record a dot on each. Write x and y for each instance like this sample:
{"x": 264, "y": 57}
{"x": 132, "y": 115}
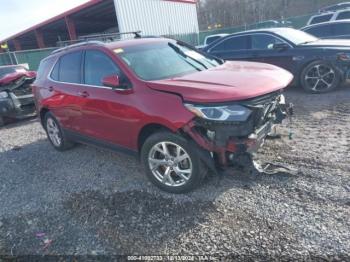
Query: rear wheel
{"x": 171, "y": 164}
{"x": 55, "y": 134}
{"x": 320, "y": 77}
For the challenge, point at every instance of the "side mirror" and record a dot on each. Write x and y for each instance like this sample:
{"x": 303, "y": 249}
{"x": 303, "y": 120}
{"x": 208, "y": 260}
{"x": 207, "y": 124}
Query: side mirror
{"x": 111, "y": 81}
{"x": 280, "y": 46}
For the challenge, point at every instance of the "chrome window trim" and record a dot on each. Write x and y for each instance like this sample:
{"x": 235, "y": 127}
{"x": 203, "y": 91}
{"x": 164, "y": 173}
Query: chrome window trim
{"x": 79, "y": 84}
{"x": 255, "y": 33}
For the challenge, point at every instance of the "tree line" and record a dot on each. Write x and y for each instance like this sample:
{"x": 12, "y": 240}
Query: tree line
{"x": 228, "y": 13}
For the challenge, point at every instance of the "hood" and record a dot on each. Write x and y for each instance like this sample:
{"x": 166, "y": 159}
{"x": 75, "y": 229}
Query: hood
{"x": 232, "y": 81}
{"x": 329, "y": 43}
{"x": 12, "y": 77}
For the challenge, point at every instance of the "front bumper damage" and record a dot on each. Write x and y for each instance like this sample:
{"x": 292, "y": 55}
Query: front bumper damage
{"x": 17, "y": 100}
{"x": 233, "y": 143}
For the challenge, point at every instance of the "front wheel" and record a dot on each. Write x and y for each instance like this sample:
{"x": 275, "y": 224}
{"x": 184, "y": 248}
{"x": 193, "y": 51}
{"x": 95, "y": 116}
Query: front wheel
{"x": 320, "y": 77}
{"x": 171, "y": 164}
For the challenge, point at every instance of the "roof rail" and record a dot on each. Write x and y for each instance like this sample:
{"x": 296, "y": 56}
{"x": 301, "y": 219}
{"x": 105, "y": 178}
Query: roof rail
{"x": 77, "y": 45}
{"x": 137, "y": 34}
{"x": 85, "y": 40}
{"x": 96, "y": 38}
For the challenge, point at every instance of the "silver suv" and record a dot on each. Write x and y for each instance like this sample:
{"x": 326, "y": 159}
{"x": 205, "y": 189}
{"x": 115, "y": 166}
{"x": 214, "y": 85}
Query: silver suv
{"x": 329, "y": 16}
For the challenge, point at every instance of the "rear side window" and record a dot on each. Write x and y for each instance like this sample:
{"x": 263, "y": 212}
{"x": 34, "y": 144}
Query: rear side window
{"x": 55, "y": 71}
{"x": 321, "y": 18}
{"x": 97, "y": 66}
{"x": 44, "y": 68}
{"x": 233, "y": 44}
{"x": 343, "y": 15}
{"x": 320, "y": 31}
{"x": 70, "y": 68}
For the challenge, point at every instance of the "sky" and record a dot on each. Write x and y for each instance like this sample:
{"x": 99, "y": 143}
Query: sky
{"x": 18, "y": 15}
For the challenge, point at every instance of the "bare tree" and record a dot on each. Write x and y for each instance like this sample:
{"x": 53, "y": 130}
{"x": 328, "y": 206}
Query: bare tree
{"x": 229, "y": 13}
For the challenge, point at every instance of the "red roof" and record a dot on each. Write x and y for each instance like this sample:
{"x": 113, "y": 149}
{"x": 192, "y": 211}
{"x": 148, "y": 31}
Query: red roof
{"x": 73, "y": 11}
{"x": 55, "y": 18}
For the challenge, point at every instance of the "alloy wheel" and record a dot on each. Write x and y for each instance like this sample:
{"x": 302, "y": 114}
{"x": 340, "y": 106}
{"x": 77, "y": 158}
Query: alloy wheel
{"x": 170, "y": 164}
{"x": 320, "y": 78}
{"x": 54, "y": 132}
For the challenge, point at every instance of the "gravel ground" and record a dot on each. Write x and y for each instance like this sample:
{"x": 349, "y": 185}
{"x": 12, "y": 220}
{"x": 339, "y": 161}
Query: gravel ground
{"x": 92, "y": 201}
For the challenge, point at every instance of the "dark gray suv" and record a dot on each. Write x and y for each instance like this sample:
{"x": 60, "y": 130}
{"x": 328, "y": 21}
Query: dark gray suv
{"x": 330, "y": 30}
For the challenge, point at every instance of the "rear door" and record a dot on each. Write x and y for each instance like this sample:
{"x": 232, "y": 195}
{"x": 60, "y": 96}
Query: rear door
{"x": 233, "y": 48}
{"x": 65, "y": 86}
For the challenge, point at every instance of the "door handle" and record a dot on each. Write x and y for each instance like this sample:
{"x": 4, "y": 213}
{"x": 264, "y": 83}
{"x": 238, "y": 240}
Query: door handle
{"x": 83, "y": 94}
{"x": 51, "y": 89}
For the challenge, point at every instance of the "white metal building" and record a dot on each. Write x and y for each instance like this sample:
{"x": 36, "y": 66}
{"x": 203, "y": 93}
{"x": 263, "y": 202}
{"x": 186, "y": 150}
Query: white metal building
{"x": 98, "y": 17}
{"x": 157, "y": 17}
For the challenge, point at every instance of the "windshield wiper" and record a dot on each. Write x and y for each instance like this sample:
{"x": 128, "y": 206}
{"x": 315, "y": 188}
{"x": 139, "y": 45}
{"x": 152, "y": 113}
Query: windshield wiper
{"x": 183, "y": 54}
{"x": 211, "y": 57}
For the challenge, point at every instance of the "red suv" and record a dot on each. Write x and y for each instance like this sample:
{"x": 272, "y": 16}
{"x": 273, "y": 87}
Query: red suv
{"x": 182, "y": 111}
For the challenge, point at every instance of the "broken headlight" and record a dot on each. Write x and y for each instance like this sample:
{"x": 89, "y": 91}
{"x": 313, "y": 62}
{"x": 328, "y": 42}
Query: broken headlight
{"x": 220, "y": 113}
{"x": 3, "y": 95}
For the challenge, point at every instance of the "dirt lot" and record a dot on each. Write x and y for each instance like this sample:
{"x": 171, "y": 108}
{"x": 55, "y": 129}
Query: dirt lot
{"x": 92, "y": 201}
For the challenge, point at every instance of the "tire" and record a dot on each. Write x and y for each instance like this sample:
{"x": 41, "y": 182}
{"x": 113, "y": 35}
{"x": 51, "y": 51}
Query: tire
{"x": 167, "y": 173}
{"x": 320, "y": 77}
{"x": 55, "y": 135}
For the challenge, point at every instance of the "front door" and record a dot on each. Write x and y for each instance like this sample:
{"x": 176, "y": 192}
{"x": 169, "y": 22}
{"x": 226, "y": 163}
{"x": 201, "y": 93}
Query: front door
{"x": 106, "y": 113}
{"x": 262, "y": 45}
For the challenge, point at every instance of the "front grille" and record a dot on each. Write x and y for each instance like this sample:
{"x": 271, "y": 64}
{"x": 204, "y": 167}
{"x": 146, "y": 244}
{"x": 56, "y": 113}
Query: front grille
{"x": 262, "y": 100}
{"x": 262, "y": 107}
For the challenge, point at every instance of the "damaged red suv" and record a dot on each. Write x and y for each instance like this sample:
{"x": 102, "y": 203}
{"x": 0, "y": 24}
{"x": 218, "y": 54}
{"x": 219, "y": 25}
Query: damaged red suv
{"x": 183, "y": 112}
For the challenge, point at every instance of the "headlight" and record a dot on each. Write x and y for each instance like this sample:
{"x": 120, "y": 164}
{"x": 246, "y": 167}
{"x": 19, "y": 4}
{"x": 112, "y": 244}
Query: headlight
{"x": 220, "y": 113}
{"x": 3, "y": 95}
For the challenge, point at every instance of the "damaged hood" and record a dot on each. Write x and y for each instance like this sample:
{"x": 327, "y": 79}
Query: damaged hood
{"x": 232, "y": 81}
{"x": 15, "y": 79}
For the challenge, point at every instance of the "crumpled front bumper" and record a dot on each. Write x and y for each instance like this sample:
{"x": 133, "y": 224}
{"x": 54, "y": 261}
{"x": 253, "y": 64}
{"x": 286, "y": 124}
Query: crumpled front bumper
{"x": 234, "y": 147}
{"x": 228, "y": 150}
{"x": 18, "y": 100}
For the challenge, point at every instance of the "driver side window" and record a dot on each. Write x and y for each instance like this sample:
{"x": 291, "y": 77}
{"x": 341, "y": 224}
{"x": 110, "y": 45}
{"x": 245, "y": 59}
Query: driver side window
{"x": 98, "y": 65}
{"x": 264, "y": 41}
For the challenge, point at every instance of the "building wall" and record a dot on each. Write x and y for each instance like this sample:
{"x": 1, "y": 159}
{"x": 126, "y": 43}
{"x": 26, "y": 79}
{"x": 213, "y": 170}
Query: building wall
{"x": 157, "y": 17}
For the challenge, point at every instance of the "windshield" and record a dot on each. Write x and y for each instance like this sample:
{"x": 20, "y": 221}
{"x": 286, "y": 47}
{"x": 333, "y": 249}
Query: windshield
{"x": 10, "y": 69}
{"x": 296, "y": 37}
{"x": 164, "y": 60}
